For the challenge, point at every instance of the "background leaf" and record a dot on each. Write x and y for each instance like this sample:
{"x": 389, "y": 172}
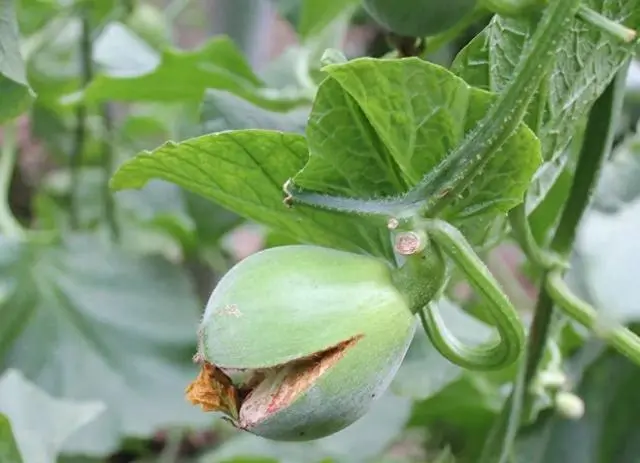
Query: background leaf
{"x": 184, "y": 75}
{"x": 115, "y": 328}
{"x": 40, "y": 423}
{"x": 14, "y": 88}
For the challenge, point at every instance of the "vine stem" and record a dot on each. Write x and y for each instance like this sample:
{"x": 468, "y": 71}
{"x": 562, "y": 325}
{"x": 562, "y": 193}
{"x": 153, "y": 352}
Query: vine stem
{"x": 107, "y": 170}
{"x": 508, "y": 348}
{"x": 603, "y": 23}
{"x": 75, "y": 161}
{"x": 9, "y": 225}
{"x": 446, "y": 182}
{"x": 596, "y": 146}
{"x": 620, "y": 338}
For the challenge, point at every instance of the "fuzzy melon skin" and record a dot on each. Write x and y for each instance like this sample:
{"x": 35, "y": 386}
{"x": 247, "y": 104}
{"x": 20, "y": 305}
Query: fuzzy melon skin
{"x": 289, "y": 302}
{"x": 418, "y": 18}
{"x": 292, "y": 301}
{"x": 514, "y": 8}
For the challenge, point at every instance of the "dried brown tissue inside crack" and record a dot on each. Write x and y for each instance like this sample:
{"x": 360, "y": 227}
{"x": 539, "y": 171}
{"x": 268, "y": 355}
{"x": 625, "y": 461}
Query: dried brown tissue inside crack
{"x": 261, "y": 392}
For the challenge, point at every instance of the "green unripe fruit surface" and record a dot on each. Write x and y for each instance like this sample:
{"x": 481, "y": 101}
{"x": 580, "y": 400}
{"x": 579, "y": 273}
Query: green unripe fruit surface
{"x": 514, "y": 8}
{"x": 317, "y": 333}
{"x": 418, "y": 18}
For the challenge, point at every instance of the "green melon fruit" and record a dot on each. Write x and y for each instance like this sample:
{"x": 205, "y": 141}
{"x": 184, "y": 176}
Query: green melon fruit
{"x": 308, "y": 337}
{"x": 418, "y": 18}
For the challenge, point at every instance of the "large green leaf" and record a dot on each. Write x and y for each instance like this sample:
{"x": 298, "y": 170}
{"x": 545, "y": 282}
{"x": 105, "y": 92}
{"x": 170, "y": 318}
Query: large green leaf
{"x": 39, "y": 423}
{"x": 184, "y": 76}
{"x": 14, "y": 88}
{"x": 97, "y": 323}
{"x": 244, "y": 171}
{"x": 378, "y": 126}
{"x": 587, "y": 61}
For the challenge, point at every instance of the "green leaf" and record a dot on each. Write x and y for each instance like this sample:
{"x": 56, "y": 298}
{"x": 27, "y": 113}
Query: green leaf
{"x": 184, "y": 75}
{"x": 379, "y": 126}
{"x": 315, "y": 15}
{"x": 244, "y": 171}
{"x": 590, "y": 58}
{"x": 610, "y": 429}
{"x": 14, "y": 88}
{"x": 359, "y": 442}
{"x": 9, "y": 452}
{"x": 40, "y": 423}
{"x": 97, "y": 323}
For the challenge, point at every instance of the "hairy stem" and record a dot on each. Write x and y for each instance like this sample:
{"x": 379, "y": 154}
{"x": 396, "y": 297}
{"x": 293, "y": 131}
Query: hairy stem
{"x": 9, "y": 225}
{"x": 596, "y": 146}
{"x": 75, "y": 161}
{"x": 443, "y": 184}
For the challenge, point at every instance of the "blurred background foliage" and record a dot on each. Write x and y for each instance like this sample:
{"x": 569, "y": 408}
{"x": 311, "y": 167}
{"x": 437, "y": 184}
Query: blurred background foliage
{"x": 98, "y": 314}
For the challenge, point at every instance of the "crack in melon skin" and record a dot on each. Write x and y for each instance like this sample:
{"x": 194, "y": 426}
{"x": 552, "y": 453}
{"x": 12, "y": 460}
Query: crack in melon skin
{"x": 280, "y": 389}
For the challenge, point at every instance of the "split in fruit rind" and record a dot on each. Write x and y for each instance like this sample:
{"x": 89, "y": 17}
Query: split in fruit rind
{"x": 267, "y": 391}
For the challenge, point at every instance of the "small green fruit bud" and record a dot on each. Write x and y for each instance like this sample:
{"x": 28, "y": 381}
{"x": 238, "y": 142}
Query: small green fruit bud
{"x": 569, "y": 405}
{"x": 297, "y": 341}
